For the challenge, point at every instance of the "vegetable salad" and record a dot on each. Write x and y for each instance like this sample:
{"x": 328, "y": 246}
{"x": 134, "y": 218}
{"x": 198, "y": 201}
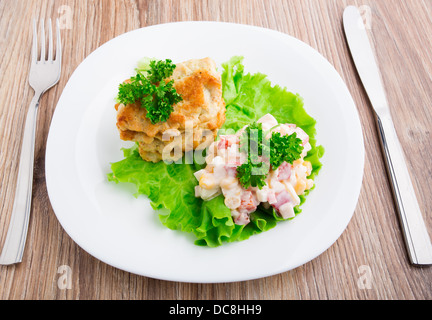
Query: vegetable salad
{"x": 281, "y": 186}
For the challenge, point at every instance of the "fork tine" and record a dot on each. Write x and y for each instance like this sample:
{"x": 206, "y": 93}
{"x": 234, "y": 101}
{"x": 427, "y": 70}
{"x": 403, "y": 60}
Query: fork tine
{"x": 50, "y": 41}
{"x": 42, "y": 56}
{"x": 34, "y": 47}
{"x": 59, "y": 47}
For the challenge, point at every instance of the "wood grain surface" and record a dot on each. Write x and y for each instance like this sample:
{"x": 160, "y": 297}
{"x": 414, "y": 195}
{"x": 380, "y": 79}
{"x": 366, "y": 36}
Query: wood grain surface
{"x": 368, "y": 261}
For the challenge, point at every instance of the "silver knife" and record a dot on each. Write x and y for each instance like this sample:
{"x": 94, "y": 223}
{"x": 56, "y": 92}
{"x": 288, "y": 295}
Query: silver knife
{"x": 415, "y": 232}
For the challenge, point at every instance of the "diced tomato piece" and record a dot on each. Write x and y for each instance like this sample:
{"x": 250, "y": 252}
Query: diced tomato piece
{"x": 227, "y": 141}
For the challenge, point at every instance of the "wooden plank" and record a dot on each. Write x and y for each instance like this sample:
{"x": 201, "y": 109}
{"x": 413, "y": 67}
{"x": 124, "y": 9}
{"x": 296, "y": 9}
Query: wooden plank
{"x": 372, "y": 246}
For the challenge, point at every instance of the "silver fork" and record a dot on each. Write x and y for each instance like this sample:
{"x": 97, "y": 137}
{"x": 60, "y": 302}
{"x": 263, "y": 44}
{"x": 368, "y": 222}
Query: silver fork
{"x": 44, "y": 73}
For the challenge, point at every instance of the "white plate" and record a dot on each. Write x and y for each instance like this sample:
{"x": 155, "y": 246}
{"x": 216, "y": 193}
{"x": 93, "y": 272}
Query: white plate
{"x": 109, "y": 223}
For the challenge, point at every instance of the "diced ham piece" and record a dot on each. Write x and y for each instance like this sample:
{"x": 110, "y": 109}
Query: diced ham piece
{"x": 282, "y": 198}
{"x": 271, "y": 197}
{"x": 302, "y": 135}
{"x": 248, "y": 204}
{"x": 284, "y": 171}
{"x": 231, "y": 171}
{"x": 242, "y": 219}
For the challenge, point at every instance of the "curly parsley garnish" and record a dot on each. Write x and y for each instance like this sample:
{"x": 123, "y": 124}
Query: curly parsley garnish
{"x": 286, "y": 148}
{"x": 151, "y": 90}
{"x": 160, "y": 70}
{"x": 263, "y": 153}
{"x": 251, "y": 174}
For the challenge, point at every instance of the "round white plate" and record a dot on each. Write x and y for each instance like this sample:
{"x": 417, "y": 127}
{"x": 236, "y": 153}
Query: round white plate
{"x": 108, "y": 222}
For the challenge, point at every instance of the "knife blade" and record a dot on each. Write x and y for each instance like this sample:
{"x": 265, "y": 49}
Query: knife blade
{"x": 415, "y": 233}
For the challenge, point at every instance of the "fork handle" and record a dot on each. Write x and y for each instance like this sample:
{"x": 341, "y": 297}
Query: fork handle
{"x": 16, "y": 237}
{"x": 414, "y": 229}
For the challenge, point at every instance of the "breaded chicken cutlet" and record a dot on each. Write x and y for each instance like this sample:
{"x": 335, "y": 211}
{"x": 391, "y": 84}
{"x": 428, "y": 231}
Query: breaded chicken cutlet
{"x": 201, "y": 110}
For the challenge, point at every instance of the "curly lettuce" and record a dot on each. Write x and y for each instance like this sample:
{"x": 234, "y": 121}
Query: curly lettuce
{"x": 248, "y": 97}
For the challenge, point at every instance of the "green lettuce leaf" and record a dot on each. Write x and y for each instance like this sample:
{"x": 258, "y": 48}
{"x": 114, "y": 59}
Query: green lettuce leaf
{"x": 171, "y": 187}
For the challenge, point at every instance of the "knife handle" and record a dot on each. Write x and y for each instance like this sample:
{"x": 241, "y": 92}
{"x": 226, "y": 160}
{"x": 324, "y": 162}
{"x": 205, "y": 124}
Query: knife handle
{"x": 414, "y": 229}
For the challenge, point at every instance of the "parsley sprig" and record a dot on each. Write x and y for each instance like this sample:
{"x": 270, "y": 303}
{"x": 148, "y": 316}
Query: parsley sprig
{"x": 252, "y": 174}
{"x": 287, "y": 148}
{"x": 264, "y": 153}
{"x": 151, "y": 90}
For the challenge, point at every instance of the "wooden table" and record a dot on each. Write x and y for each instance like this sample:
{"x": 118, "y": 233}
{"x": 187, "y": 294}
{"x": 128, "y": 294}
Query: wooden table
{"x": 369, "y": 260}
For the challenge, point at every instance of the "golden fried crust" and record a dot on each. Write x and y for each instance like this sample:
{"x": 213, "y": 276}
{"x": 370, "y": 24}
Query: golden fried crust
{"x": 202, "y": 108}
